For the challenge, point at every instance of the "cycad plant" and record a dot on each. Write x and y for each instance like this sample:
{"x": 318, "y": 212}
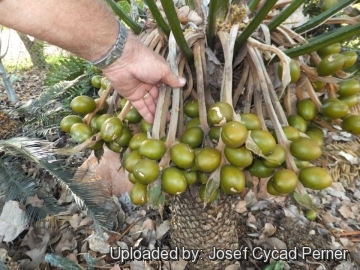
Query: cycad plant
{"x": 262, "y": 85}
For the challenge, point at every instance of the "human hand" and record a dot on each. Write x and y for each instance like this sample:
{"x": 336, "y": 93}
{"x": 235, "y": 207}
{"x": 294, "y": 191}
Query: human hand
{"x": 138, "y": 74}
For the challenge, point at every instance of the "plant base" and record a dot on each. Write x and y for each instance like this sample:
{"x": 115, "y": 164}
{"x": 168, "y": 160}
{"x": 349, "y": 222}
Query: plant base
{"x": 197, "y": 228}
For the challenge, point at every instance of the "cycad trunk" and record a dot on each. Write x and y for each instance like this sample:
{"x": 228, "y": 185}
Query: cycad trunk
{"x": 197, "y": 228}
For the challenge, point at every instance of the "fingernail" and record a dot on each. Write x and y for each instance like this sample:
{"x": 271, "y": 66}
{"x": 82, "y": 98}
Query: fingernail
{"x": 182, "y": 81}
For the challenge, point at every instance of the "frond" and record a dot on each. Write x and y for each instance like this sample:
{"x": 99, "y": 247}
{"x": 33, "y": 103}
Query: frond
{"x": 45, "y": 122}
{"x": 49, "y": 207}
{"x": 28, "y": 148}
{"x": 87, "y": 193}
{"x": 67, "y": 70}
{"x": 90, "y": 261}
{"x": 61, "y": 262}
{"x": 59, "y": 91}
{"x": 14, "y": 184}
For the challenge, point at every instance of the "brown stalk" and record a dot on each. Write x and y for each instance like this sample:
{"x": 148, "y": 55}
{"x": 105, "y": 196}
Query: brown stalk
{"x": 249, "y": 91}
{"x": 160, "y": 113}
{"x": 155, "y": 41}
{"x": 258, "y": 64}
{"x": 200, "y": 87}
{"x": 277, "y": 39}
{"x": 286, "y": 36}
{"x": 342, "y": 20}
{"x": 103, "y": 98}
{"x": 150, "y": 37}
{"x": 299, "y": 90}
{"x": 275, "y": 100}
{"x": 316, "y": 58}
{"x": 159, "y": 46}
{"x": 240, "y": 88}
{"x": 194, "y": 95}
{"x": 284, "y": 60}
{"x": 312, "y": 93}
{"x": 125, "y": 110}
{"x": 113, "y": 103}
{"x": 193, "y": 37}
{"x": 228, "y": 42}
{"x": 208, "y": 98}
{"x": 288, "y": 100}
{"x": 175, "y": 94}
{"x": 89, "y": 142}
{"x": 141, "y": 37}
{"x": 189, "y": 82}
{"x": 180, "y": 127}
{"x": 258, "y": 98}
{"x": 331, "y": 90}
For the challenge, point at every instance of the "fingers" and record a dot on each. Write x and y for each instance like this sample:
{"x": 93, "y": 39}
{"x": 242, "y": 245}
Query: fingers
{"x": 146, "y": 105}
{"x": 171, "y": 79}
{"x": 144, "y": 110}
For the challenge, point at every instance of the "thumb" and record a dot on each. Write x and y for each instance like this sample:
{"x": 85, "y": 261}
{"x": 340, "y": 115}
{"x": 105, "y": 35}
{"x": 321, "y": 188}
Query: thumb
{"x": 172, "y": 80}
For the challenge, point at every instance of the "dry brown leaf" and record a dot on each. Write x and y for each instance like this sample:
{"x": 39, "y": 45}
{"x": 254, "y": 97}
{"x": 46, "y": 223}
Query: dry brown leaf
{"x": 65, "y": 196}
{"x": 34, "y": 201}
{"x": 346, "y": 212}
{"x": 251, "y": 221}
{"x": 75, "y": 221}
{"x": 148, "y": 224}
{"x": 357, "y": 194}
{"x": 115, "y": 267}
{"x": 37, "y": 239}
{"x": 345, "y": 226}
{"x": 67, "y": 241}
{"x": 232, "y": 267}
{"x": 250, "y": 199}
{"x": 97, "y": 243}
{"x": 269, "y": 229}
{"x": 337, "y": 186}
{"x": 329, "y": 218}
{"x": 241, "y": 207}
{"x": 85, "y": 222}
{"x": 135, "y": 232}
{"x": 72, "y": 256}
{"x": 262, "y": 193}
{"x": 107, "y": 171}
{"x": 194, "y": 18}
{"x": 13, "y": 220}
{"x": 182, "y": 14}
{"x": 276, "y": 242}
{"x": 162, "y": 229}
{"x": 347, "y": 243}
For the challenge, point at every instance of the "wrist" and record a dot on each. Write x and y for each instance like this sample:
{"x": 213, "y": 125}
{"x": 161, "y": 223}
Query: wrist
{"x": 115, "y": 52}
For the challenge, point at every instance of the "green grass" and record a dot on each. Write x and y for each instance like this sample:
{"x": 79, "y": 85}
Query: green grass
{"x": 25, "y": 64}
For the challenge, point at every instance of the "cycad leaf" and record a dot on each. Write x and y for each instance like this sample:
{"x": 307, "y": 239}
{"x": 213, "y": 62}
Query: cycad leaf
{"x": 67, "y": 70}
{"x": 14, "y": 184}
{"x": 49, "y": 207}
{"x": 87, "y": 192}
{"x": 61, "y": 262}
{"x": 60, "y": 90}
{"x": 29, "y": 148}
